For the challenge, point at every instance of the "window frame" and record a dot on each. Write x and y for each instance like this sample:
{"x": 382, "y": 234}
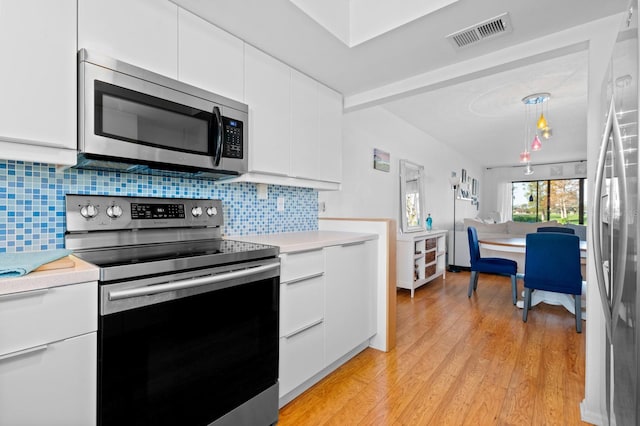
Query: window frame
{"x": 581, "y": 200}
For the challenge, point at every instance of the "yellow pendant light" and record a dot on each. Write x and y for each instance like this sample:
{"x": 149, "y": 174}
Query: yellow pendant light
{"x": 542, "y": 122}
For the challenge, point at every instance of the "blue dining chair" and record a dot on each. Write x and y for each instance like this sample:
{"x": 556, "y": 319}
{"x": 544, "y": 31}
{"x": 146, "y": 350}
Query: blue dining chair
{"x": 489, "y": 265}
{"x": 552, "y": 263}
{"x": 556, "y": 229}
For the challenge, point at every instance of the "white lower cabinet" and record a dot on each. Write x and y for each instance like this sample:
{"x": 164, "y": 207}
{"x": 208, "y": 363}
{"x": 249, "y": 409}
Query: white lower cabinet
{"x": 327, "y": 302}
{"x": 48, "y": 353}
{"x": 53, "y": 384}
{"x": 301, "y": 318}
{"x": 301, "y": 356}
{"x": 350, "y": 297}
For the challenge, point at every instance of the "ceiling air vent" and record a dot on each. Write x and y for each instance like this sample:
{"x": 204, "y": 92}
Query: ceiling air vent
{"x": 487, "y": 29}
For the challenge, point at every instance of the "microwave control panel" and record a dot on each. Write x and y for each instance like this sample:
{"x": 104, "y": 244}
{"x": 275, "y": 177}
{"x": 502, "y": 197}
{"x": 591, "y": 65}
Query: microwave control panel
{"x": 233, "y": 136}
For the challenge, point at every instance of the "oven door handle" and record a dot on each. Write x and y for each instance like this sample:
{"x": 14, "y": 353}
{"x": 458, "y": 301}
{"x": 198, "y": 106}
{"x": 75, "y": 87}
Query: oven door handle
{"x": 183, "y": 284}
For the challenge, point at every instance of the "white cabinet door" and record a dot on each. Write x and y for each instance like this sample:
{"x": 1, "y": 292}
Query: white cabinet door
{"x": 32, "y": 318}
{"x": 329, "y": 134}
{"x": 350, "y": 297}
{"x": 316, "y": 130}
{"x": 141, "y": 32}
{"x": 301, "y": 304}
{"x": 304, "y": 126}
{"x": 53, "y": 384}
{"x": 301, "y": 357}
{"x": 268, "y": 94}
{"x": 209, "y": 57}
{"x": 38, "y": 79}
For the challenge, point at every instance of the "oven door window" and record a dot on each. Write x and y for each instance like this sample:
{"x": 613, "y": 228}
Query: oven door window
{"x": 132, "y": 116}
{"x": 191, "y": 360}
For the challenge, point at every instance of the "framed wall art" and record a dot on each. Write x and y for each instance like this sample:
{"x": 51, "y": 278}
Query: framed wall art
{"x": 381, "y": 160}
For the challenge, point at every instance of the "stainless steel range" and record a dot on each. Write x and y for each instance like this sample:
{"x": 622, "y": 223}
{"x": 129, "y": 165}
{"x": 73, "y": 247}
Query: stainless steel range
{"x": 188, "y": 322}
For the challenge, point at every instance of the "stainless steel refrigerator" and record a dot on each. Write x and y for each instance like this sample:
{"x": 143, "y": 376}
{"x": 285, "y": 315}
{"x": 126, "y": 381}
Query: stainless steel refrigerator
{"x": 615, "y": 231}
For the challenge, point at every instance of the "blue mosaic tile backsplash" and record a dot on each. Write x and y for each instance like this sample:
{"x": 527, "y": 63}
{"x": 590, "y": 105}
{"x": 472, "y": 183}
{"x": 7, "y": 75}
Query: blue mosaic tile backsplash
{"x": 32, "y": 202}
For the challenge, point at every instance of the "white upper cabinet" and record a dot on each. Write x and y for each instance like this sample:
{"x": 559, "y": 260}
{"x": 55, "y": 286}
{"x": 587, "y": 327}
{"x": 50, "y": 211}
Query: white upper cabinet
{"x": 316, "y": 144}
{"x": 38, "y": 81}
{"x": 209, "y": 57}
{"x": 141, "y": 32}
{"x": 296, "y": 124}
{"x": 304, "y": 126}
{"x": 329, "y": 134}
{"x": 268, "y": 94}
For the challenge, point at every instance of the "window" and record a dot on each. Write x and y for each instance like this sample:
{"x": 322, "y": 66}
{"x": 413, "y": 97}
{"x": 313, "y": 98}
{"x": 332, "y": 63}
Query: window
{"x": 562, "y": 200}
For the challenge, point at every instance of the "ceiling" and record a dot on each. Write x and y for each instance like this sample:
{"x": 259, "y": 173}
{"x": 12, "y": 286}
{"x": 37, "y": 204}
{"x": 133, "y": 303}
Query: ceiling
{"x": 480, "y": 115}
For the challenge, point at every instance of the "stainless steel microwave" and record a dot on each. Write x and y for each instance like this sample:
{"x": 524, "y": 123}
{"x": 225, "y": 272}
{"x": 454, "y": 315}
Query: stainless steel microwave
{"x": 134, "y": 120}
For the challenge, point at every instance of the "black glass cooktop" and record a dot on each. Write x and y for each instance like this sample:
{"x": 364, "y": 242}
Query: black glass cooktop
{"x": 164, "y": 257}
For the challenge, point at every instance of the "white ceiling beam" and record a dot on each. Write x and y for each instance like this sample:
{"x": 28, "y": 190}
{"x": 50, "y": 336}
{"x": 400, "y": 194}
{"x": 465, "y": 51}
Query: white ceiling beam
{"x": 550, "y": 46}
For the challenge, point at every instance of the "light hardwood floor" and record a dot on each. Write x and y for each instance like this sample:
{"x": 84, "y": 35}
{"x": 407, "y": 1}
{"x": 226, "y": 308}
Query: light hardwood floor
{"x": 458, "y": 361}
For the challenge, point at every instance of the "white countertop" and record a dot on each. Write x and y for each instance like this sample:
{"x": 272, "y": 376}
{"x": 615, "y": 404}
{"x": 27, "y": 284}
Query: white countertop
{"x": 290, "y": 242}
{"x": 84, "y": 272}
{"x": 80, "y": 273}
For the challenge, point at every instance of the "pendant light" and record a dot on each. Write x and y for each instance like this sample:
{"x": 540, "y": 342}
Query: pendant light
{"x": 528, "y": 171}
{"x": 535, "y": 126}
{"x": 536, "y": 145}
{"x": 542, "y": 122}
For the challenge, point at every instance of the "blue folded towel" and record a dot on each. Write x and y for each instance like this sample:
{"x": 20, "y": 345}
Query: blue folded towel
{"x": 18, "y": 264}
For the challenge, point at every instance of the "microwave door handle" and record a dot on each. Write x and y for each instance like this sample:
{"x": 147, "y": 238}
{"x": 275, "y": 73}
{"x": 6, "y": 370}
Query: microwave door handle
{"x": 217, "y": 149}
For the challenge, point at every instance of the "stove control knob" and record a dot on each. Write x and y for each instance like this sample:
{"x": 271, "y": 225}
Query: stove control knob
{"x": 89, "y": 211}
{"x": 114, "y": 211}
{"x": 212, "y": 211}
{"x": 196, "y": 211}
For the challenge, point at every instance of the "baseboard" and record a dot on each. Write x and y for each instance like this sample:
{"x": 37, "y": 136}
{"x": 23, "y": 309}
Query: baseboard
{"x": 590, "y": 416}
{"x": 294, "y": 393}
{"x": 461, "y": 268}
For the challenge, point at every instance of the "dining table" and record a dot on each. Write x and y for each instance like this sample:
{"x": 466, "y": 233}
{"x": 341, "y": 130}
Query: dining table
{"x": 515, "y": 248}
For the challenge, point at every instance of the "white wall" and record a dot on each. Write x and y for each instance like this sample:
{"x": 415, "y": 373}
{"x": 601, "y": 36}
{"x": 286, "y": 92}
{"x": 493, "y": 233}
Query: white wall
{"x": 371, "y": 193}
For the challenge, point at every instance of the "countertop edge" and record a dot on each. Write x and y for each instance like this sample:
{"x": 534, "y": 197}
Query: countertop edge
{"x": 292, "y": 242}
{"x": 37, "y": 280}
{"x": 409, "y": 236}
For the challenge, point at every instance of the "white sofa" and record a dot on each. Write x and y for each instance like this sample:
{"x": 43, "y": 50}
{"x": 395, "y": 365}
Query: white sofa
{"x": 508, "y": 229}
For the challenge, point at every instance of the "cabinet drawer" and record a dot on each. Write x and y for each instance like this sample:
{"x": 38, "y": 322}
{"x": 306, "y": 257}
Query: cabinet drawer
{"x": 294, "y": 266}
{"x": 431, "y": 243}
{"x": 429, "y": 257}
{"x": 429, "y": 271}
{"x": 301, "y": 357}
{"x": 33, "y": 318}
{"x": 54, "y": 385}
{"x": 301, "y": 303}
